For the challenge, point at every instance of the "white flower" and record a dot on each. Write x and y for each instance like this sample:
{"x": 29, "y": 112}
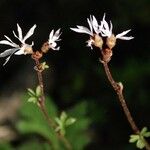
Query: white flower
{"x": 93, "y": 24}
{"x": 53, "y": 38}
{"x": 106, "y": 31}
{"x": 95, "y": 29}
{"x": 17, "y": 49}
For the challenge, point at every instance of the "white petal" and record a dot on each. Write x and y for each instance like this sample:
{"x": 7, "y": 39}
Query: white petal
{"x": 8, "y": 43}
{"x": 89, "y": 43}
{"x": 56, "y": 35}
{"x": 95, "y": 25}
{"x": 19, "y": 32}
{"x": 82, "y": 29}
{"x": 85, "y": 29}
{"x": 7, "y": 59}
{"x": 111, "y": 27}
{"x": 12, "y": 52}
{"x": 51, "y": 34}
{"x": 8, "y": 52}
{"x": 16, "y": 36}
{"x": 90, "y": 24}
{"x": 29, "y": 33}
{"x": 126, "y": 38}
{"x": 105, "y": 25}
{"x": 20, "y": 52}
{"x": 123, "y": 33}
{"x": 8, "y": 38}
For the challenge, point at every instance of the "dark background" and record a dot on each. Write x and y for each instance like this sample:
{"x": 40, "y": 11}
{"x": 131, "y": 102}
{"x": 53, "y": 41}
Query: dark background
{"x": 75, "y": 72}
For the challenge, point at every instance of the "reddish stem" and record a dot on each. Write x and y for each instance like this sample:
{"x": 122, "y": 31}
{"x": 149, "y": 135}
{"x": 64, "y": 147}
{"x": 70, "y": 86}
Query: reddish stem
{"x": 118, "y": 89}
{"x": 41, "y": 104}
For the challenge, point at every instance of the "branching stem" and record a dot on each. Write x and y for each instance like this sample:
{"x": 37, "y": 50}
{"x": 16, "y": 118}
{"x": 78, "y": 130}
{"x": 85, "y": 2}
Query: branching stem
{"x": 41, "y": 104}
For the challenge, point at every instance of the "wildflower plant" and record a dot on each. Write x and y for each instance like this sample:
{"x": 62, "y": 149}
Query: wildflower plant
{"x": 18, "y": 49}
{"x": 37, "y": 96}
{"x": 102, "y": 36}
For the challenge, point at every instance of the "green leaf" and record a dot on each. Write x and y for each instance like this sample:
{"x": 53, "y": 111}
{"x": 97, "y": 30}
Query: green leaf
{"x": 63, "y": 117}
{"x": 38, "y": 91}
{"x": 134, "y": 138}
{"x": 70, "y": 121}
{"x": 5, "y": 146}
{"x": 31, "y": 92}
{"x": 143, "y": 131}
{"x": 58, "y": 121}
{"x": 140, "y": 144}
{"x": 147, "y": 134}
{"x": 77, "y": 132}
{"x": 44, "y": 65}
{"x": 32, "y": 99}
{"x": 33, "y": 122}
{"x": 34, "y": 145}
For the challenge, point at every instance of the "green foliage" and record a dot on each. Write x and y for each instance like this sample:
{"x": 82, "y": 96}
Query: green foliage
{"x": 77, "y": 133}
{"x": 34, "y": 95}
{"x": 5, "y": 146}
{"x": 34, "y": 145}
{"x": 139, "y": 138}
{"x": 63, "y": 121}
{"x": 44, "y": 66}
{"x": 32, "y": 122}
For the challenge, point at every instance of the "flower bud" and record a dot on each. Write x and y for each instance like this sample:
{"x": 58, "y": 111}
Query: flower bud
{"x": 98, "y": 42}
{"x": 111, "y": 41}
{"x": 28, "y": 50}
{"x": 45, "y": 47}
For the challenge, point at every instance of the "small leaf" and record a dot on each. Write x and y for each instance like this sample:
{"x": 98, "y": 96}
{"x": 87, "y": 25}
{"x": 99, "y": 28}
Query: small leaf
{"x": 58, "y": 121}
{"x": 38, "y": 91}
{"x": 140, "y": 144}
{"x": 44, "y": 66}
{"x": 147, "y": 134}
{"x": 63, "y": 117}
{"x": 134, "y": 138}
{"x": 31, "y": 92}
{"x": 70, "y": 121}
{"x": 33, "y": 99}
{"x": 143, "y": 131}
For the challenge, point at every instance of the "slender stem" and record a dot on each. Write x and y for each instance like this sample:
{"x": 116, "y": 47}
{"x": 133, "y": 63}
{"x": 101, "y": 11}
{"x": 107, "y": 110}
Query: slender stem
{"x": 42, "y": 107}
{"x": 126, "y": 110}
{"x": 121, "y": 99}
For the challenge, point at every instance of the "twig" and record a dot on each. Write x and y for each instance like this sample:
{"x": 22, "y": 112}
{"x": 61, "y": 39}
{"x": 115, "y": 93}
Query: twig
{"x": 118, "y": 89}
{"x": 41, "y": 104}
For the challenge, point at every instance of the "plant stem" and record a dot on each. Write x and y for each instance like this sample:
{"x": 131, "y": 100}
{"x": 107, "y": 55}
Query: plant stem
{"x": 41, "y": 104}
{"x": 126, "y": 110}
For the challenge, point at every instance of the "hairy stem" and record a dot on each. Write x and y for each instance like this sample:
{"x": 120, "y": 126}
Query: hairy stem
{"x": 123, "y": 103}
{"x": 41, "y": 104}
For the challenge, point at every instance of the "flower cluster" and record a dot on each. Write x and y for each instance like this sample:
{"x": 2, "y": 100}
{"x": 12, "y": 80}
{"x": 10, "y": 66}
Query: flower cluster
{"x": 24, "y": 48}
{"x": 98, "y": 31}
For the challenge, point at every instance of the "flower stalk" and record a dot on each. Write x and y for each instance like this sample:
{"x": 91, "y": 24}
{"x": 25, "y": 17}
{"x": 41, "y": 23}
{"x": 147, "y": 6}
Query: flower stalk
{"x": 41, "y": 103}
{"x": 102, "y": 37}
{"x": 118, "y": 88}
